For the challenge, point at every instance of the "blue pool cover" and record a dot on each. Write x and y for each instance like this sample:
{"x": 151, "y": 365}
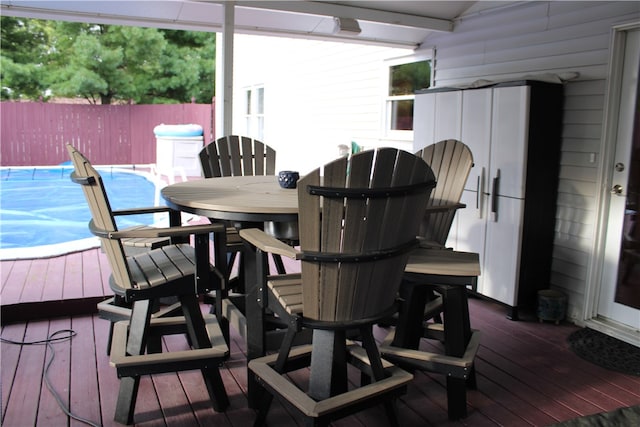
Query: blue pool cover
{"x": 44, "y": 207}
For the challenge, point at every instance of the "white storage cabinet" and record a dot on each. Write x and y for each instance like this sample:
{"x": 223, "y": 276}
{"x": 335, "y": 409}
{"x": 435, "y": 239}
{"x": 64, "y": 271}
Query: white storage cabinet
{"x": 514, "y": 133}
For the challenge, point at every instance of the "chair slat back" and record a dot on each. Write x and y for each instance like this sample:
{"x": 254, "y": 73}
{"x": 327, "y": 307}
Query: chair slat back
{"x": 356, "y": 231}
{"x": 451, "y": 162}
{"x": 102, "y": 215}
{"x": 235, "y": 155}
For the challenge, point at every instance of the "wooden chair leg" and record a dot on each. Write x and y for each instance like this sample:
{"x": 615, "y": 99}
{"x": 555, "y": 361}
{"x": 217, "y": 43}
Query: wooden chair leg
{"x": 126, "y": 402}
{"x": 328, "y": 360}
{"x": 136, "y": 343}
{"x": 369, "y": 344}
{"x": 215, "y": 387}
{"x": 456, "y": 398}
{"x": 264, "y": 403}
{"x": 197, "y": 331}
{"x": 110, "y": 337}
{"x": 265, "y": 398}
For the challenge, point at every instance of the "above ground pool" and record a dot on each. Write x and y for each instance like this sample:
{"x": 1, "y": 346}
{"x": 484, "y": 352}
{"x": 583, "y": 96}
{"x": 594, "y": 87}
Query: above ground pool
{"x": 42, "y": 208}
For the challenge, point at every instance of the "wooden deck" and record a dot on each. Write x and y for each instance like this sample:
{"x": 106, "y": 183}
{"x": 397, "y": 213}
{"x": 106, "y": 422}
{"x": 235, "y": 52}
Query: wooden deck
{"x": 526, "y": 374}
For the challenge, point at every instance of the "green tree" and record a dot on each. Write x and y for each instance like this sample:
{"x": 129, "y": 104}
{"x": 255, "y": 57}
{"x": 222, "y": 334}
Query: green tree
{"x": 187, "y": 68}
{"x": 109, "y": 63}
{"x": 23, "y": 56}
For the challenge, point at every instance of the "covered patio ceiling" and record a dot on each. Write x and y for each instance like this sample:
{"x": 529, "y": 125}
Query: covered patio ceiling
{"x": 394, "y": 23}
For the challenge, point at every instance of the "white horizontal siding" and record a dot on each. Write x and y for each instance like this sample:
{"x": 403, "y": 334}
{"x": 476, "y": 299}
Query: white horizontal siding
{"x": 318, "y": 94}
{"x": 536, "y": 37}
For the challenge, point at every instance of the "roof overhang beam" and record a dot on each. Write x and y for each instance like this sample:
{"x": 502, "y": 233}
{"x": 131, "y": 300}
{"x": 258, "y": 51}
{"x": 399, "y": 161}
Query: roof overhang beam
{"x": 322, "y": 8}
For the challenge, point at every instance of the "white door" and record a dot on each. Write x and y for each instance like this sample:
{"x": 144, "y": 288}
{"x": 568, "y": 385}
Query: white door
{"x": 619, "y": 297}
{"x": 448, "y": 115}
{"x": 502, "y": 251}
{"x": 509, "y": 141}
{"x": 469, "y": 228}
{"x": 437, "y": 117}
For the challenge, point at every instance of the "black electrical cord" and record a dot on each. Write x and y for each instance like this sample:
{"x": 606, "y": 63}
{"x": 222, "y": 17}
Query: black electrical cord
{"x": 53, "y": 337}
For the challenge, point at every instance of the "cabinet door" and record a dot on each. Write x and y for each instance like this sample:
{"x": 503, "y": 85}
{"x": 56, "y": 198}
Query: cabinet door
{"x": 468, "y": 230}
{"x": 500, "y": 269}
{"x": 437, "y": 116}
{"x": 509, "y": 140}
{"x": 466, "y": 233}
{"x": 424, "y": 119}
{"x": 476, "y": 134}
{"x": 448, "y": 115}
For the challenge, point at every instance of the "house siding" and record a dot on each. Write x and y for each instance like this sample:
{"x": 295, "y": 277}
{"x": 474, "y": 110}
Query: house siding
{"x": 544, "y": 38}
{"x": 318, "y": 94}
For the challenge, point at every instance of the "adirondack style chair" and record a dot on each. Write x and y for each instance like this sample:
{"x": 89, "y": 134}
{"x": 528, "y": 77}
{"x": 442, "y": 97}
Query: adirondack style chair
{"x": 177, "y": 271}
{"x": 234, "y": 155}
{"x": 435, "y": 282}
{"x": 358, "y": 223}
{"x": 451, "y": 162}
{"x": 116, "y": 308}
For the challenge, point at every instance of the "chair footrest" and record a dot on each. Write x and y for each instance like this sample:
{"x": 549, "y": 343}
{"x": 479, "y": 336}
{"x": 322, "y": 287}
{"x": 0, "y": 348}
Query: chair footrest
{"x": 433, "y": 331}
{"x": 108, "y": 310}
{"x": 433, "y": 307}
{"x": 457, "y": 367}
{"x": 278, "y": 384}
{"x": 235, "y": 317}
{"x": 170, "y": 361}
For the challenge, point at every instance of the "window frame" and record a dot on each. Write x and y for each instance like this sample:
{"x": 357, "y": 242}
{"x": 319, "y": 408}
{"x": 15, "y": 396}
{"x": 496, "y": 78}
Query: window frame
{"x": 253, "y": 111}
{"x": 388, "y": 100}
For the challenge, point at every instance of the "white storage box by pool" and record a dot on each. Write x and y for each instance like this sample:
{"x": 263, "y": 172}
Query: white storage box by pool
{"x": 177, "y": 148}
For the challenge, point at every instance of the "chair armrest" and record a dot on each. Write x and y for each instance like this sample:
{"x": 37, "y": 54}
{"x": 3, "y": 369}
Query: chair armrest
{"x": 158, "y": 232}
{"x": 444, "y": 208}
{"x": 267, "y": 243}
{"x": 142, "y": 210}
{"x": 429, "y": 244}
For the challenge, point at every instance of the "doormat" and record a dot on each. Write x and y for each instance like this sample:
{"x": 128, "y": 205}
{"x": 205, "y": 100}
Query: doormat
{"x": 619, "y": 417}
{"x": 605, "y": 351}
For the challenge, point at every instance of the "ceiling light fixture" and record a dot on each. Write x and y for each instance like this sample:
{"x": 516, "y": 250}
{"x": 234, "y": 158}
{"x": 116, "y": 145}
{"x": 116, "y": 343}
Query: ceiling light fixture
{"x": 346, "y": 26}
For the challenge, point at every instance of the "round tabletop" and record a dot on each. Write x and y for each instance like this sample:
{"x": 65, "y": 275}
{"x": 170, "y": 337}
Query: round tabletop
{"x": 235, "y": 198}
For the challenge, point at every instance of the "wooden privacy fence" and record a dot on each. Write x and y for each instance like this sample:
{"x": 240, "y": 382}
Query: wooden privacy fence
{"x": 35, "y": 133}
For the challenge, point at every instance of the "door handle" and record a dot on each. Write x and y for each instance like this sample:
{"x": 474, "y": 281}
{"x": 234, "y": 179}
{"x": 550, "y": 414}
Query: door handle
{"x": 617, "y": 189}
{"x": 480, "y": 193}
{"x": 494, "y": 195}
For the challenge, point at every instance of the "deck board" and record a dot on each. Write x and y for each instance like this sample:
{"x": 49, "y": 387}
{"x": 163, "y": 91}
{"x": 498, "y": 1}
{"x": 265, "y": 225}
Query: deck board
{"x": 55, "y": 279}
{"x": 48, "y": 411}
{"x": 525, "y": 371}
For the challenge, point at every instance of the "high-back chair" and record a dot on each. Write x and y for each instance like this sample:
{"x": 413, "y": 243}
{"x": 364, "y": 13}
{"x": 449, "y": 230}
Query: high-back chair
{"x": 234, "y": 155}
{"x": 435, "y": 282}
{"x": 451, "y": 162}
{"x": 358, "y": 221}
{"x": 177, "y": 271}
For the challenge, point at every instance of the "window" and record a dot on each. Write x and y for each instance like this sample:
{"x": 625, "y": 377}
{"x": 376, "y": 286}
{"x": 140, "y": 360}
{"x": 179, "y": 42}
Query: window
{"x": 254, "y": 112}
{"x": 404, "y": 78}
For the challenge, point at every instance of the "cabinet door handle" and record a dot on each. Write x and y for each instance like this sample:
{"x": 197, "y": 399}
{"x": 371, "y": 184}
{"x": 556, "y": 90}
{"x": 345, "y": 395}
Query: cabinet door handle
{"x": 494, "y": 195}
{"x": 480, "y": 193}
